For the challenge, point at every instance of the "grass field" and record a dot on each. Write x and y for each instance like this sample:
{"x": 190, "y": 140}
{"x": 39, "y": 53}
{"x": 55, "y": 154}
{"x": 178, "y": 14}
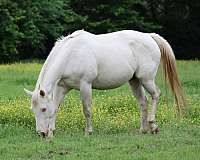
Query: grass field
{"x": 115, "y": 120}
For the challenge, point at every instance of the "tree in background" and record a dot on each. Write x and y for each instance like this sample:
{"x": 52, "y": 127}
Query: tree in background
{"x": 29, "y": 28}
{"x": 107, "y": 16}
{"x": 9, "y": 30}
{"x": 180, "y": 21}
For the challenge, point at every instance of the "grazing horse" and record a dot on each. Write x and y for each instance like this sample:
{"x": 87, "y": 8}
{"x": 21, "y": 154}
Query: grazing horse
{"x": 83, "y": 61}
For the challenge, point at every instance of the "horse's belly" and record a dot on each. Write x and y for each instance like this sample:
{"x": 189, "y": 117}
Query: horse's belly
{"x": 106, "y": 85}
{"x": 112, "y": 77}
{"x": 115, "y": 66}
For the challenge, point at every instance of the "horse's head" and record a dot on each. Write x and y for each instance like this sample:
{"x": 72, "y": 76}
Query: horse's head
{"x": 42, "y": 105}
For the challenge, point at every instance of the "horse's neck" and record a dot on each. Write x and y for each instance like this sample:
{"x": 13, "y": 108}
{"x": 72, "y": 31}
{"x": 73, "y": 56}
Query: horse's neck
{"x": 48, "y": 77}
{"x": 51, "y": 71}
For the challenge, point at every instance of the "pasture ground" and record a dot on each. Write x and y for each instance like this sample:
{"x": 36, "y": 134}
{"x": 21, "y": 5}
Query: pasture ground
{"x": 115, "y": 121}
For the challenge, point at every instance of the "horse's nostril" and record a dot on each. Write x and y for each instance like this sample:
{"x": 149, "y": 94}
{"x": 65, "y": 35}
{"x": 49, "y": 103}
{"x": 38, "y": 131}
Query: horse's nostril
{"x": 43, "y": 134}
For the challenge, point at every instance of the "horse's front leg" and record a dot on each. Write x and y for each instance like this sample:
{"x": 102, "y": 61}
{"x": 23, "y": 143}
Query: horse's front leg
{"x": 86, "y": 96}
{"x": 60, "y": 90}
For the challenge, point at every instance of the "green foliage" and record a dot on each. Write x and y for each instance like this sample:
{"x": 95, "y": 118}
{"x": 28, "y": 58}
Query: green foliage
{"x": 9, "y": 30}
{"x": 104, "y": 16}
{"x": 29, "y": 28}
{"x": 180, "y": 24}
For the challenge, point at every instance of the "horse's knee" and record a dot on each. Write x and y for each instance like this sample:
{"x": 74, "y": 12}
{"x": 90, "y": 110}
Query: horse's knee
{"x": 87, "y": 112}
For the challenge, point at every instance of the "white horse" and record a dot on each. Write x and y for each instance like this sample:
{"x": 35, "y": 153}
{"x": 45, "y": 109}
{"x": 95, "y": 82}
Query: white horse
{"x": 83, "y": 61}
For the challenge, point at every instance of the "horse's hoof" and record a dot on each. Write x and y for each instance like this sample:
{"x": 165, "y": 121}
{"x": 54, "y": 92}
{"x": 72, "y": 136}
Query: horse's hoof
{"x": 155, "y": 130}
{"x": 88, "y": 133}
{"x": 143, "y": 131}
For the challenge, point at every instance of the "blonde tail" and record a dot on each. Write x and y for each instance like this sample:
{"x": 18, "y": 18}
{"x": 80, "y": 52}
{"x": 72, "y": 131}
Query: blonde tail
{"x": 169, "y": 66}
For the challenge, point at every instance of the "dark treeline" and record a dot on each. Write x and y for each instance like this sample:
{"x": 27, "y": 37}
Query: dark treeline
{"x": 29, "y": 28}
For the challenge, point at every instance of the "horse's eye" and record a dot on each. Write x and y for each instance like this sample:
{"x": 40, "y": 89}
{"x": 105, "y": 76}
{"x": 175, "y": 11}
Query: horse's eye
{"x": 43, "y": 109}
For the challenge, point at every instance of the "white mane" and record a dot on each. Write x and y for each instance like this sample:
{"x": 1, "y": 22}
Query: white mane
{"x": 62, "y": 39}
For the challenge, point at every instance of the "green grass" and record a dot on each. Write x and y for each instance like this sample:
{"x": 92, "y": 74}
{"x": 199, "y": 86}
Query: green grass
{"x": 180, "y": 142}
{"x": 115, "y": 121}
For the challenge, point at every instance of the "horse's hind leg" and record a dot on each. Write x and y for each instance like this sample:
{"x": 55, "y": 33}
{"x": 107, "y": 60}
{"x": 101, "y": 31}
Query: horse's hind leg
{"x": 151, "y": 87}
{"x": 139, "y": 93}
{"x": 86, "y": 96}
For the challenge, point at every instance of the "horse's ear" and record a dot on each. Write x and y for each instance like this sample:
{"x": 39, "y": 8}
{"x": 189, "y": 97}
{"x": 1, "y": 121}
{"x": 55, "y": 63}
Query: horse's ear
{"x": 29, "y": 93}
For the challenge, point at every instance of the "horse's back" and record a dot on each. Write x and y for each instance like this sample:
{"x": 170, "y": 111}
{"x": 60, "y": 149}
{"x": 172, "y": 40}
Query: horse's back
{"x": 110, "y": 60}
{"x": 126, "y": 53}
{"x": 144, "y": 49}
